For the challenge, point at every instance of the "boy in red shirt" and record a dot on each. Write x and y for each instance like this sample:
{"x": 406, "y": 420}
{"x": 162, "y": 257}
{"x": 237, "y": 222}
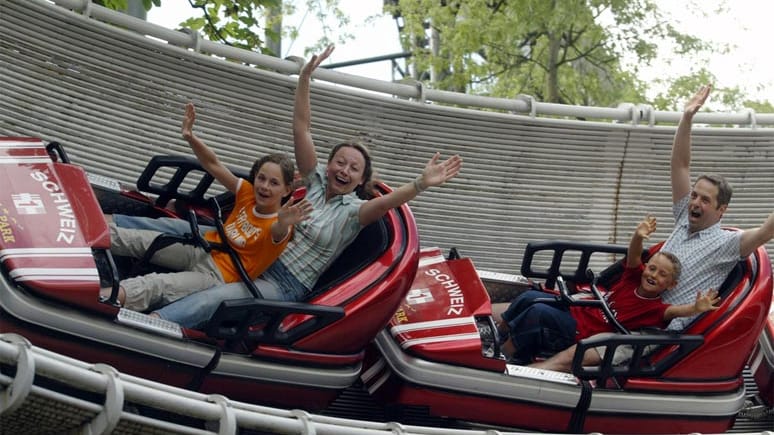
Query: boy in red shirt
{"x": 635, "y": 299}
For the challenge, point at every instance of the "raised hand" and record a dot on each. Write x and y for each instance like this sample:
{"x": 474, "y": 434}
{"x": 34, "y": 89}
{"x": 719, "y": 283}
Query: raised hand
{"x": 293, "y": 212}
{"x": 436, "y": 173}
{"x": 694, "y": 104}
{"x": 188, "y": 121}
{"x": 316, "y": 60}
{"x": 707, "y": 301}
{"x": 646, "y": 227}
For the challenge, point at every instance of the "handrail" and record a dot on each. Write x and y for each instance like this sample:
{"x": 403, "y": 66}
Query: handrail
{"x": 99, "y": 379}
{"x": 625, "y": 112}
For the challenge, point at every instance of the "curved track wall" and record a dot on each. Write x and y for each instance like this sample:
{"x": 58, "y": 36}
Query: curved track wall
{"x": 114, "y": 97}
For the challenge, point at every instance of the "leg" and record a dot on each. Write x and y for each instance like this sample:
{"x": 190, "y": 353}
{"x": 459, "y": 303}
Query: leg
{"x": 195, "y": 310}
{"x": 562, "y": 361}
{"x": 130, "y": 243}
{"x": 522, "y": 303}
{"x": 178, "y": 256}
{"x": 163, "y": 225}
{"x": 622, "y": 354}
{"x": 498, "y": 309}
{"x": 505, "y": 312}
{"x": 529, "y": 329}
{"x": 143, "y": 292}
{"x": 105, "y": 293}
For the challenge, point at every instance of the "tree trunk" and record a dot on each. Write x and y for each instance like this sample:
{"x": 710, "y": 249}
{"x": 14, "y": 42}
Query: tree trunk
{"x": 552, "y": 77}
{"x": 274, "y": 23}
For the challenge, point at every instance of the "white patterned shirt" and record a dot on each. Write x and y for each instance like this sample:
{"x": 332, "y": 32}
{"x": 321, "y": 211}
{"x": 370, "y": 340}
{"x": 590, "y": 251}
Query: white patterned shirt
{"x": 706, "y": 257}
{"x": 319, "y": 240}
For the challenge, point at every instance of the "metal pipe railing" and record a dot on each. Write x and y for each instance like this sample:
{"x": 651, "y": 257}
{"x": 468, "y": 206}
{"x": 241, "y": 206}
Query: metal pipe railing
{"x": 418, "y": 92}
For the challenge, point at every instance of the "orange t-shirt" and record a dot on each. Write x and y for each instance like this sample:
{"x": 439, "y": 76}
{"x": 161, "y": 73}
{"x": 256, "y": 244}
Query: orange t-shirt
{"x": 249, "y": 234}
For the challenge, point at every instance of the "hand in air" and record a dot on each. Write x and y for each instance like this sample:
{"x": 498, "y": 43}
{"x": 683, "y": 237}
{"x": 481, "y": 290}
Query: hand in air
{"x": 707, "y": 301}
{"x": 436, "y": 173}
{"x": 316, "y": 60}
{"x": 293, "y": 212}
{"x": 646, "y": 227}
{"x": 694, "y": 104}
{"x": 188, "y": 121}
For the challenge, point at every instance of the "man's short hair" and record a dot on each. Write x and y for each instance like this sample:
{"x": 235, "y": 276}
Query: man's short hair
{"x": 724, "y": 189}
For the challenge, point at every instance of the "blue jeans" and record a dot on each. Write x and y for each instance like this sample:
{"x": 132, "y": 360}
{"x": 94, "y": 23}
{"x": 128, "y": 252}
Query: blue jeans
{"x": 538, "y": 326}
{"x": 163, "y": 224}
{"x": 195, "y": 310}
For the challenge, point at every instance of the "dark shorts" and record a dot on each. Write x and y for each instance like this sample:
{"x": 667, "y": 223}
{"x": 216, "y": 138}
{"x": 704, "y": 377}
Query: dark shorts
{"x": 537, "y": 327}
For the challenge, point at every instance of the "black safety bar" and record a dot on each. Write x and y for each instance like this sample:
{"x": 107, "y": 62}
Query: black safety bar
{"x": 55, "y": 148}
{"x": 224, "y": 246}
{"x": 684, "y": 344}
{"x": 182, "y": 166}
{"x": 565, "y": 298}
{"x": 559, "y": 248}
{"x": 258, "y": 320}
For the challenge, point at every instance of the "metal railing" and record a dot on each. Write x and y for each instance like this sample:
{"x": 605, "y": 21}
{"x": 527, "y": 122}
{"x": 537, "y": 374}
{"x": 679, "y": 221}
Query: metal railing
{"x": 631, "y": 113}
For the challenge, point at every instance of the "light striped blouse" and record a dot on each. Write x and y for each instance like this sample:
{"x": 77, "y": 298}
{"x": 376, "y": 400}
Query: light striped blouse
{"x": 320, "y": 239}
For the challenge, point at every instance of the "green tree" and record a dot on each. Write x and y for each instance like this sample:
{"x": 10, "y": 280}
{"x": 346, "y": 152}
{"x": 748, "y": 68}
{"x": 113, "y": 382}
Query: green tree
{"x": 585, "y": 52}
{"x": 683, "y": 88}
{"x": 759, "y": 106}
{"x": 123, "y": 4}
{"x": 562, "y": 51}
{"x": 247, "y": 24}
{"x": 255, "y": 24}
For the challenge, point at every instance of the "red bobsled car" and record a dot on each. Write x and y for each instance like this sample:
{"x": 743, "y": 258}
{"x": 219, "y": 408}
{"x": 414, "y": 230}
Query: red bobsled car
{"x": 54, "y": 249}
{"x": 440, "y": 354}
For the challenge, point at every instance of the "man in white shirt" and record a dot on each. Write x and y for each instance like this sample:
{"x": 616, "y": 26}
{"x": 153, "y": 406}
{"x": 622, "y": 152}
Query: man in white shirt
{"x": 706, "y": 251}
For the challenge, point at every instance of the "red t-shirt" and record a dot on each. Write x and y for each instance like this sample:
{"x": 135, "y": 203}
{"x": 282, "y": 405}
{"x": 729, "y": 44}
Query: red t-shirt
{"x": 632, "y": 310}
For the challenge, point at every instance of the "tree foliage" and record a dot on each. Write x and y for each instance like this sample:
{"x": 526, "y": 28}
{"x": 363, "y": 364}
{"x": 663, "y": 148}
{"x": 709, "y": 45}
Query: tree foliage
{"x": 562, "y": 51}
{"x": 239, "y": 23}
{"x": 123, "y": 4}
{"x": 257, "y": 24}
{"x": 585, "y": 52}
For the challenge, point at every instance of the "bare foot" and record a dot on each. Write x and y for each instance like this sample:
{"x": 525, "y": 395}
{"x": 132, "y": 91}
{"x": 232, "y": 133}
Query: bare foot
{"x": 507, "y": 348}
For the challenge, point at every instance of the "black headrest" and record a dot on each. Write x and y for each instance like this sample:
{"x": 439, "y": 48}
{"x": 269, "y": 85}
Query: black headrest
{"x": 370, "y": 244}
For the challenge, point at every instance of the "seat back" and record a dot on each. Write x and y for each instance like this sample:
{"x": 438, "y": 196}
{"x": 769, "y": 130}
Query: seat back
{"x": 368, "y": 280}
{"x": 370, "y": 244}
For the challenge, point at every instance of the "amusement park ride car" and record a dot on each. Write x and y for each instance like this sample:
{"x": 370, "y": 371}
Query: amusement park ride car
{"x": 413, "y": 326}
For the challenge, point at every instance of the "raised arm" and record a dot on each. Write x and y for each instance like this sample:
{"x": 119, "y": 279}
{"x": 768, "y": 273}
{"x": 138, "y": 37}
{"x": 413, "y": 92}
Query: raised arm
{"x": 306, "y": 156}
{"x": 204, "y": 154}
{"x": 681, "y": 147}
{"x": 751, "y": 239}
{"x": 642, "y": 232}
{"x": 704, "y": 302}
{"x": 434, "y": 174}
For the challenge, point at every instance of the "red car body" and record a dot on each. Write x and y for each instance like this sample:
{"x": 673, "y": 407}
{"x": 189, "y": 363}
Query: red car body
{"x": 54, "y": 258}
{"x": 438, "y": 354}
